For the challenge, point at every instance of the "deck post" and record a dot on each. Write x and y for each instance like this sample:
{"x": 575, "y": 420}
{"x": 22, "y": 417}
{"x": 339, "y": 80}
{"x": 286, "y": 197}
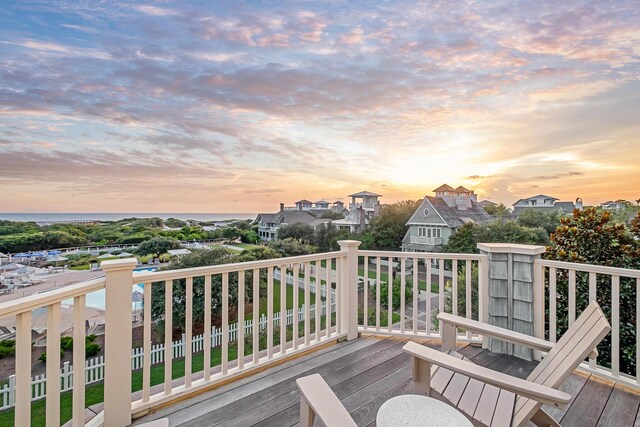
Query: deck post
{"x": 348, "y": 288}
{"x": 515, "y": 293}
{"x": 117, "y": 370}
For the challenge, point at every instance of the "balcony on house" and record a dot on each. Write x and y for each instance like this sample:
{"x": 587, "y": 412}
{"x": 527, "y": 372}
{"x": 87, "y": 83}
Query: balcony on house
{"x": 234, "y": 363}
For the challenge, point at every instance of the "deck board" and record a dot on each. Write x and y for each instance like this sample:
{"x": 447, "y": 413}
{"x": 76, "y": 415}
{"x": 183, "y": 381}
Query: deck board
{"x": 364, "y": 373}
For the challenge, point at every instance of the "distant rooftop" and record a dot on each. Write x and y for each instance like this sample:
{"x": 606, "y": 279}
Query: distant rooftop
{"x": 365, "y": 194}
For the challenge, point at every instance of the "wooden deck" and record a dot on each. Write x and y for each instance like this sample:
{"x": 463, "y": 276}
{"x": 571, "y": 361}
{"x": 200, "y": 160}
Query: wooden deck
{"x": 366, "y": 372}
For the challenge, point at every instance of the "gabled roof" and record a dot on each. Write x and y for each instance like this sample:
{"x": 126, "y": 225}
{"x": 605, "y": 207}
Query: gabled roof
{"x": 265, "y": 217}
{"x": 462, "y": 189}
{"x": 365, "y": 193}
{"x": 442, "y": 188}
{"x": 441, "y": 213}
{"x": 303, "y": 201}
{"x": 322, "y": 202}
{"x": 543, "y": 196}
{"x": 338, "y": 202}
{"x": 294, "y": 216}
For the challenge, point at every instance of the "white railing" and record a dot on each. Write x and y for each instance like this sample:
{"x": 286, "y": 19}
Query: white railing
{"x": 426, "y": 240}
{"x": 22, "y": 311}
{"x": 350, "y": 280}
{"x": 305, "y": 334}
{"x": 570, "y": 286}
{"x": 459, "y": 288}
{"x": 94, "y": 368}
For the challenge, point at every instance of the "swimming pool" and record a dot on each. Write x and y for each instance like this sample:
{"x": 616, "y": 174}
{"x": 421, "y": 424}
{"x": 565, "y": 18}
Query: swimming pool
{"x": 97, "y": 299}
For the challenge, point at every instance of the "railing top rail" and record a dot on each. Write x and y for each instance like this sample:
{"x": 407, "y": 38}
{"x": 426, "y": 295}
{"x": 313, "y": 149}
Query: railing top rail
{"x": 35, "y": 301}
{"x": 589, "y": 268}
{"x": 158, "y": 276}
{"x": 430, "y": 255}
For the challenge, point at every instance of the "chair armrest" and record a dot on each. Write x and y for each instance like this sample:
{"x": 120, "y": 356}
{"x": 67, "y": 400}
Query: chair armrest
{"x": 531, "y": 390}
{"x": 323, "y": 401}
{"x": 496, "y": 332}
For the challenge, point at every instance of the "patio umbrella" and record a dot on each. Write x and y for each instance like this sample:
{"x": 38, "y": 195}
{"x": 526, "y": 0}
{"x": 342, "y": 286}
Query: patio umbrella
{"x": 11, "y": 267}
{"x": 38, "y": 254}
{"x": 56, "y": 259}
{"x": 54, "y": 252}
{"x": 21, "y": 255}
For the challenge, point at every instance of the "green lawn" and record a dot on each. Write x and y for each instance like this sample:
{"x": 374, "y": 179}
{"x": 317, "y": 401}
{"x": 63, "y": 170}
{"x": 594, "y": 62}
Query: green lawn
{"x": 95, "y": 393}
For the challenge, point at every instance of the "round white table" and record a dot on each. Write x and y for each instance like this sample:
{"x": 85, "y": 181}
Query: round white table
{"x": 419, "y": 411}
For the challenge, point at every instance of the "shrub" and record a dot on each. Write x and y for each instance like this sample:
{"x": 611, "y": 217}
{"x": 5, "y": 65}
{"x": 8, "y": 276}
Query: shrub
{"x": 92, "y": 350}
{"x": 396, "y": 294}
{"x": 66, "y": 343}
{"x": 43, "y": 356}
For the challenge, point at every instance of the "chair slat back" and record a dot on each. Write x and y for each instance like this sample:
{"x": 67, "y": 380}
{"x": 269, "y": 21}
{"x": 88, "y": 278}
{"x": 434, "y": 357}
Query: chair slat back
{"x": 565, "y": 356}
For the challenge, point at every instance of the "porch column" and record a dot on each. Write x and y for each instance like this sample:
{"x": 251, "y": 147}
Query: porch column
{"x": 117, "y": 320}
{"x": 347, "y": 291}
{"x": 513, "y": 297}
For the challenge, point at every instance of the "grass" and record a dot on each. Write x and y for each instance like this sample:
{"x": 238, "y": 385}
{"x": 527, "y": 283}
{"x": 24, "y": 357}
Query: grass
{"x": 94, "y": 393}
{"x": 81, "y": 267}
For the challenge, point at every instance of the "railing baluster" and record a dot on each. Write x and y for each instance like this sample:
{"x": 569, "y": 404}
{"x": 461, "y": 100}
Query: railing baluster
{"x": 283, "y": 309}
{"x": 638, "y": 330}
{"x": 296, "y": 303}
{"x": 270, "y": 312}
{"x": 240, "y": 319}
{"x": 365, "y": 292}
{"x": 572, "y": 296}
{"x": 307, "y": 304}
{"x": 327, "y": 297}
{"x": 468, "y": 292}
{"x": 207, "y": 327}
{"x": 255, "y": 329}
{"x": 440, "y": 292}
{"x": 403, "y": 285}
{"x": 378, "y": 296}
{"x": 615, "y": 326}
{"x": 168, "y": 336}
{"x": 225, "y": 323}
{"x": 146, "y": 362}
{"x": 454, "y": 287}
{"x": 53, "y": 365}
{"x": 23, "y": 370}
{"x": 318, "y": 306}
{"x": 552, "y": 304}
{"x": 389, "y": 294}
{"x": 415, "y": 295}
{"x": 79, "y": 344}
{"x": 427, "y": 263}
{"x": 188, "y": 320}
{"x": 592, "y": 297}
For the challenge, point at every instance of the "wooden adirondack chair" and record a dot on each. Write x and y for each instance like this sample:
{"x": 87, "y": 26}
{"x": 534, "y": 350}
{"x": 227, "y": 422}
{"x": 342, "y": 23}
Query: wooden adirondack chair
{"x": 495, "y": 399}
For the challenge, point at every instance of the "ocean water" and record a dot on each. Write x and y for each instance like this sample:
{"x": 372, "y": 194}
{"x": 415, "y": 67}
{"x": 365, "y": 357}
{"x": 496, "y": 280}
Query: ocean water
{"x": 92, "y": 216}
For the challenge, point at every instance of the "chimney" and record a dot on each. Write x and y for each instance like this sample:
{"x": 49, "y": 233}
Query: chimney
{"x": 281, "y": 207}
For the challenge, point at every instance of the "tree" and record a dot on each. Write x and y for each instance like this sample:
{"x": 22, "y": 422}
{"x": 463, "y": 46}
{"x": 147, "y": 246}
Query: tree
{"x": 231, "y": 233}
{"x": 326, "y": 238}
{"x": 299, "y": 231}
{"x": 291, "y": 247}
{"x": 635, "y": 225}
{"x": 388, "y": 229}
{"x": 467, "y": 237}
{"x": 463, "y": 240}
{"x": 497, "y": 210}
{"x": 550, "y": 221}
{"x": 157, "y": 246}
{"x": 249, "y": 236}
{"x": 593, "y": 237}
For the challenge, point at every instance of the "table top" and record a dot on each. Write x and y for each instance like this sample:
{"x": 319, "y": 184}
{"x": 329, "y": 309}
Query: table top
{"x": 419, "y": 411}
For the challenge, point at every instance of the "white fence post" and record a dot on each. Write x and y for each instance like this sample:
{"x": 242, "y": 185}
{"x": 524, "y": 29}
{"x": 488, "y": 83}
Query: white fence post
{"x": 117, "y": 381}
{"x": 348, "y": 293}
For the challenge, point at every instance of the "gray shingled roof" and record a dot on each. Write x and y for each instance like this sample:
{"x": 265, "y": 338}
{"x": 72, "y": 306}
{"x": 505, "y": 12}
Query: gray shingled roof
{"x": 293, "y": 216}
{"x": 452, "y": 216}
{"x": 265, "y": 217}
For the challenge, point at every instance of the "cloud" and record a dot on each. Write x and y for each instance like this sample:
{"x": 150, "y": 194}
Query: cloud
{"x": 336, "y": 95}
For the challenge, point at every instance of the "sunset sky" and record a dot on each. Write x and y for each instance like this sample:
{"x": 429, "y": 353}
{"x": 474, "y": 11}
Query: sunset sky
{"x": 236, "y": 106}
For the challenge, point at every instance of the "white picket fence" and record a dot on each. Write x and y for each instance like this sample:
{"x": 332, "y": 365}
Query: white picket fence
{"x": 94, "y": 368}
